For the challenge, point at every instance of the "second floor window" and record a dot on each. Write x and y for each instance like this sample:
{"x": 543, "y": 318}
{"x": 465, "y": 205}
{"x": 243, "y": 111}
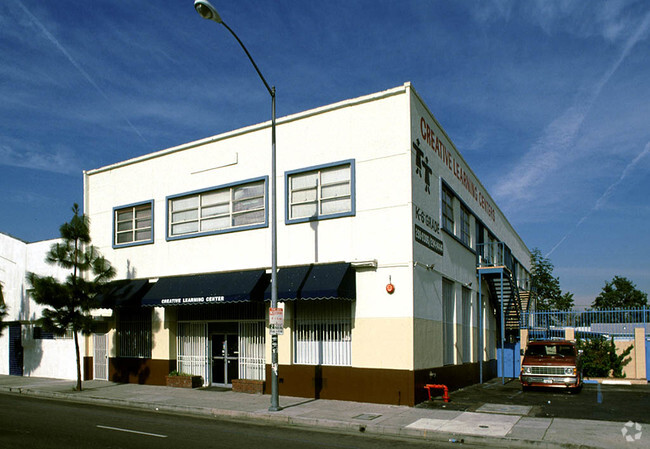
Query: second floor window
{"x": 133, "y": 224}
{"x": 324, "y": 192}
{"x": 447, "y": 210}
{"x": 464, "y": 226}
{"x": 224, "y": 209}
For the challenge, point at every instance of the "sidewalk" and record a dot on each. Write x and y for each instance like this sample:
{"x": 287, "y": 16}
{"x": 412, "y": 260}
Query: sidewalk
{"x": 492, "y": 424}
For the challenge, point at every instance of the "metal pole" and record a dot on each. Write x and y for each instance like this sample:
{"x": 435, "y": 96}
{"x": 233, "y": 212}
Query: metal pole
{"x": 480, "y": 330}
{"x": 275, "y": 401}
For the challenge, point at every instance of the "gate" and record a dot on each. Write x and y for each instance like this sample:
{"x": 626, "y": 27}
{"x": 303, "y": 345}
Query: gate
{"x": 100, "y": 357}
{"x": 511, "y": 360}
{"x": 15, "y": 350}
{"x": 647, "y": 360}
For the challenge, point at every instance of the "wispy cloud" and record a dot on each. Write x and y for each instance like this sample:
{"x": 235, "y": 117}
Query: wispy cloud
{"x": 78, "y": 67}
{"x": 605, "y": 196}
{"x": 51, "y": 160}
{"x": 557, "y": 140}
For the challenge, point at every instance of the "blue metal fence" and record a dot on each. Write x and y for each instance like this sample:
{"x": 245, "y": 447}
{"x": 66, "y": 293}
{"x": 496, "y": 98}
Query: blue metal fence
{"x": 618, "y": 323}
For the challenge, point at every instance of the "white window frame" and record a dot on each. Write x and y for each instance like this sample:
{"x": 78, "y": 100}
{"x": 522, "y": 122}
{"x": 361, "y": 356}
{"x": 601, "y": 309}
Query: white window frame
{"x": 133, "y": 225}
{"x": 320, "y": 197}
{"x": 202, "y": 214}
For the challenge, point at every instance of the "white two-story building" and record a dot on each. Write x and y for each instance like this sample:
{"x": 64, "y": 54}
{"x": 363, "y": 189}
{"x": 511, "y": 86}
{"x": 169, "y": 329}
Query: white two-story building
{"x": 383, "y": 230}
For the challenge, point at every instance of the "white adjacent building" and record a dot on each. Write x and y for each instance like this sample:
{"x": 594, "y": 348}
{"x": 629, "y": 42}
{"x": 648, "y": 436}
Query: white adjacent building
{"x": 24, "y": 349}
{"x": 383, "y": 230}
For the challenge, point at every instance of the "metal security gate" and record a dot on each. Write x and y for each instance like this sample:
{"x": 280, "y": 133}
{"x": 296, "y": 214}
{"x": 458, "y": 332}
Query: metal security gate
{"x": 647, "y": 360}
{"x": 15, "y": 350}
{"x": 100, "y": 357}
{"x": 192, "y": 347}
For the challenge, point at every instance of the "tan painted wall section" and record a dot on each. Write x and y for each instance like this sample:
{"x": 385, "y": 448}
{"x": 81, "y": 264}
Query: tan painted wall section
{"x": 382, "y": 343}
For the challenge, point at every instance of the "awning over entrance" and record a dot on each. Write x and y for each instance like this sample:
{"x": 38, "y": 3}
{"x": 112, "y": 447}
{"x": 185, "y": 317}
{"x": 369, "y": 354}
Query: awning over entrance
{"x": 122, "y": 293}
{"x": 210, "y": 288}
{"x": 326, "y": 281}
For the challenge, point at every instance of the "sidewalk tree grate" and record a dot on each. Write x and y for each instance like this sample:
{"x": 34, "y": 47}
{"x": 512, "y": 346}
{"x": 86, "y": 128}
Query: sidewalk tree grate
{"x": 366, "y": 416}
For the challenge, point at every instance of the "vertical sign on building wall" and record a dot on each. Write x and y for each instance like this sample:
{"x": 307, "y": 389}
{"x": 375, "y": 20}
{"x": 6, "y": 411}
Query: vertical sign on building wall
{"x": 276, "y": 321}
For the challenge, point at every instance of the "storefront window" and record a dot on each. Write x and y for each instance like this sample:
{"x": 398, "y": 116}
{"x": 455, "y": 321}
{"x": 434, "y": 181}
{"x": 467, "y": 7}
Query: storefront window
{"x": 323, "y": 333}
{"x": 134, "y": 333}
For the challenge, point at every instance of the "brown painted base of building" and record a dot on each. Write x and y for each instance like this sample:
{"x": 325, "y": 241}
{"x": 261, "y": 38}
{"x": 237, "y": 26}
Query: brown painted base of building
{"x": 399, "y": 387}
{"x": 248, "y": 386}
{"x": 139, "y": 371}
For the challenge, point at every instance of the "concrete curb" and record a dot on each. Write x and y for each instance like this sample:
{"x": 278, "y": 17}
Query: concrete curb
{"x": 298, "y": 421}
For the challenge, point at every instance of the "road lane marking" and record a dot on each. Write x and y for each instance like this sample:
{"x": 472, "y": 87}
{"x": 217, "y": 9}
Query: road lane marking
{"x": 132, "y": 431}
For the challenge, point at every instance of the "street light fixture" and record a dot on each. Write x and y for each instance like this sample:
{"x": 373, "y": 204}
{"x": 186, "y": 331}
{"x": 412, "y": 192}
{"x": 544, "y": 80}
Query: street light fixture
{"x": 207, "y": 11}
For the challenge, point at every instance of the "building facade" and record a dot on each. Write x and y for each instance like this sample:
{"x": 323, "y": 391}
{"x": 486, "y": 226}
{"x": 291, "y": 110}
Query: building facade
{"x": 24, "y": 349}
{"x": 381, "y": 228}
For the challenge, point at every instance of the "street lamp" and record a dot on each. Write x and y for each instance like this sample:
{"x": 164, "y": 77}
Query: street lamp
{"x": 207, "y": 11}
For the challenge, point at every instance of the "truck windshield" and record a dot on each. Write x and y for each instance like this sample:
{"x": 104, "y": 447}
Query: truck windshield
{"x": 550, "y": 350}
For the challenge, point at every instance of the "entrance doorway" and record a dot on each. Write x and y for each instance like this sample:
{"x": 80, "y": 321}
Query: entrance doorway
{"x": 225, "y": 358}
{"x": 100, "y": 356}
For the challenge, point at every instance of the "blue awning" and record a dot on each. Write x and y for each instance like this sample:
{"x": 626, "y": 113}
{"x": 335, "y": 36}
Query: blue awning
{"x": 326, "y": 281}
{"x": 209, "y": 288}
{"x": 122, "y": 293}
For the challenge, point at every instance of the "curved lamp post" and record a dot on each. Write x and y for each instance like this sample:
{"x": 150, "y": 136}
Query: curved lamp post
{"x": 207, "y": 11}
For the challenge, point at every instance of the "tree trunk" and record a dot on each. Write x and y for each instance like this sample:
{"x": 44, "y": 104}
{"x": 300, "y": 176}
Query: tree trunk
{"x": 76, "y": 346}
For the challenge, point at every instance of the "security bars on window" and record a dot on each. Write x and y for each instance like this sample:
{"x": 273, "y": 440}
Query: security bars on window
{"x": 134, "y": 334}
{"x": 320, "y": 193}
{"x": 323, "y": 333}
{"x": 215, "y": 210}
{"x": 252, "y": 350}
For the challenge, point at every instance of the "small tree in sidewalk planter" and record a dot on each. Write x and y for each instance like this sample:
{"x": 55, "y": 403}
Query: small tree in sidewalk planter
{"x": 68, "y": 303}
{"x": 599, "y": 357}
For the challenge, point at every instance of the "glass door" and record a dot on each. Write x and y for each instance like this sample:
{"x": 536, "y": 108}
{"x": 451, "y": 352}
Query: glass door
{"x": 225, "y": 358}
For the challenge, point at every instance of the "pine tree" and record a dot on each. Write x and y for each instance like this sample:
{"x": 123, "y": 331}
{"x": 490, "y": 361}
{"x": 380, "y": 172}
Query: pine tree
{"x": 3, "y": 311}
{"x": 68, "y": 303}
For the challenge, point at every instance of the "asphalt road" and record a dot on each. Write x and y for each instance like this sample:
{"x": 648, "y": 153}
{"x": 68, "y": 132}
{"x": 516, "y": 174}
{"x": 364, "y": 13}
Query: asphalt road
{"x": 38, "y": 423}
{"x": 595, "y": 401}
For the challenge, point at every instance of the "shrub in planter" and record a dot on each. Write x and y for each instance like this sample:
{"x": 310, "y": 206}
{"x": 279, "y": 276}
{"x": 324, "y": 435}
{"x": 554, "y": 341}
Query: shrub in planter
{"x": 183, "y": 380}
{"x": 599, "y": 357}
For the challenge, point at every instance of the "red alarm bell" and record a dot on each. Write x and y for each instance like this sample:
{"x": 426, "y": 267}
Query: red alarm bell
{"x": 390, "y": 288}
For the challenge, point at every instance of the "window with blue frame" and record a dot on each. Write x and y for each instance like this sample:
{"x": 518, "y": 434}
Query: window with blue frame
{"x": 133, "y": 224}
{"x": 465, "y": 226}
{"x": 229, "y": 208}
{"x": 447, "y": 210}
{"x": 320, "y": 192}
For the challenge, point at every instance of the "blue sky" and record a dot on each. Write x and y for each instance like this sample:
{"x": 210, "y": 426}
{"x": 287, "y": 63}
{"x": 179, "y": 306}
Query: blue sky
{"x": 548, "y": 101}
